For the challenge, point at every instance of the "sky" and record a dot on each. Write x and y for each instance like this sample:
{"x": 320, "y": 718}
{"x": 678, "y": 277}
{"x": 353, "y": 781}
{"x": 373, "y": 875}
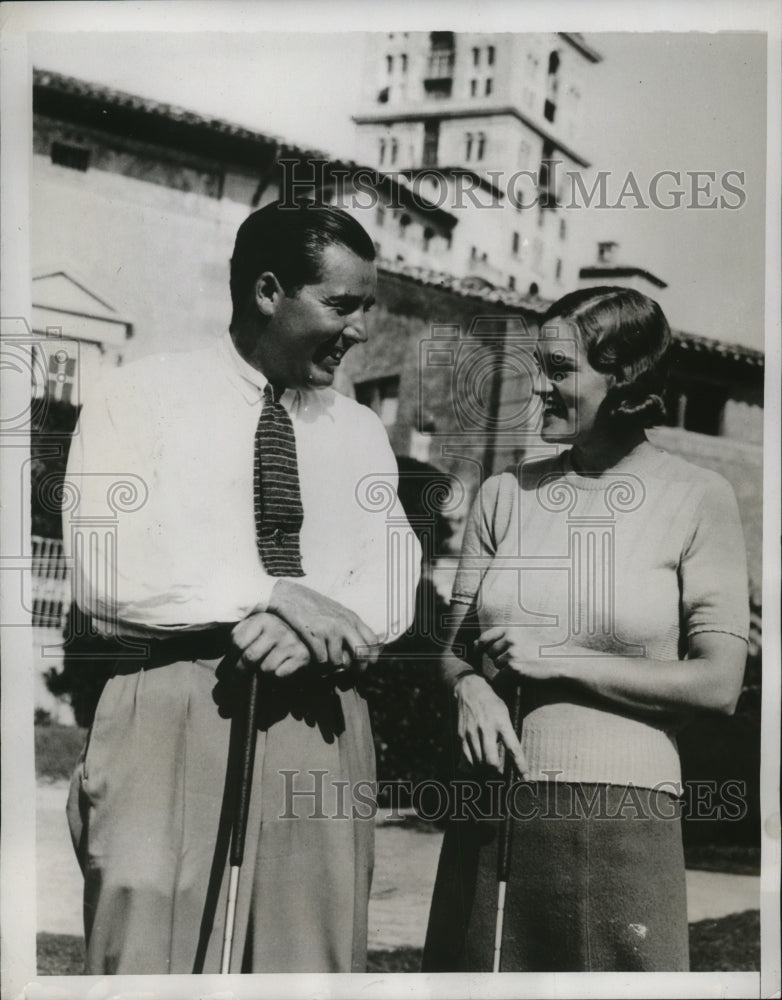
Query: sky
{"x": 678, "y": 102}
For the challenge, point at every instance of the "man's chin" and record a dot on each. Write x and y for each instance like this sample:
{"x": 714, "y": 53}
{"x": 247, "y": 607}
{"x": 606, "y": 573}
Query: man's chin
{"x": 320, "y": 377}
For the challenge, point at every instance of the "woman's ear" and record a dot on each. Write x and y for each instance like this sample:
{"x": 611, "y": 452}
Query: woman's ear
{"x": 268, "y": 293}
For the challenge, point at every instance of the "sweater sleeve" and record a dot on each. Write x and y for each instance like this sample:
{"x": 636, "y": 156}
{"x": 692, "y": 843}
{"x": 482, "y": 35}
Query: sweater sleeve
{"x": 486, "y": 525}
{"x": 713, "y": 567}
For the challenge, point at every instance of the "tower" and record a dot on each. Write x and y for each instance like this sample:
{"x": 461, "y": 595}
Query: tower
{"x": 485, "y": 125}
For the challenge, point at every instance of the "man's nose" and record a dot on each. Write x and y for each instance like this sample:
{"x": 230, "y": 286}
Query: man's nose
{"x": 356, "y": 327}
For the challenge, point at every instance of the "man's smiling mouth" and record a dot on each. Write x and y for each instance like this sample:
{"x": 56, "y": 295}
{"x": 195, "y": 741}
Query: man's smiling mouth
{"x": 331, "y": 352}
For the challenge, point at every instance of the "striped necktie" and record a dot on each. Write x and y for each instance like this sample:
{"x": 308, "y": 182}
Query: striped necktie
{"x": 277, "y": 497}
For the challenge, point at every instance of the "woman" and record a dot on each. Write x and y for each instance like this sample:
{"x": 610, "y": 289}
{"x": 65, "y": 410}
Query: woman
{"x": 609, "y": 581}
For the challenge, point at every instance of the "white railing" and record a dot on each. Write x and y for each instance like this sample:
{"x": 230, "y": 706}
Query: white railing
{"x": 51, "y": 586}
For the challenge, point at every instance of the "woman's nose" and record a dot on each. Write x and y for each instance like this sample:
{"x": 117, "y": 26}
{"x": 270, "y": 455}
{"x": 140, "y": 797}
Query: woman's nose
{"x": 541, "y": 384}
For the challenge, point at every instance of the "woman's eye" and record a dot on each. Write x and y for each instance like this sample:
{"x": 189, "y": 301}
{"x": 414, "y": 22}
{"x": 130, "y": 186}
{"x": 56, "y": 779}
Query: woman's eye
{"x": 558, "y": 377}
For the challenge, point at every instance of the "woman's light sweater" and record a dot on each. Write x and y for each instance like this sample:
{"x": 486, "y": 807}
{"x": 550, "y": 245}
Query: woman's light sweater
{"x": 631, "y": 562}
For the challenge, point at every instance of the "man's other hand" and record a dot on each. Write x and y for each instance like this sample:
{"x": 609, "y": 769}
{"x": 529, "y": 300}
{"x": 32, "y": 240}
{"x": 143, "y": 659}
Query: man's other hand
{"x": 333, "y": 633}
{"x": 264, "y": 640}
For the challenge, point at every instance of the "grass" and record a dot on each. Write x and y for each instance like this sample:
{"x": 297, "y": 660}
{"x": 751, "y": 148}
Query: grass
{"x": 730, "y": 944}
{"x": 57, "y": 749}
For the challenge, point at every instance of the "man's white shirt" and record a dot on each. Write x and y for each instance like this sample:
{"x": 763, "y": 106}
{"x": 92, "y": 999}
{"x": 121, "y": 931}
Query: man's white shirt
{"x": 159, "y": 523}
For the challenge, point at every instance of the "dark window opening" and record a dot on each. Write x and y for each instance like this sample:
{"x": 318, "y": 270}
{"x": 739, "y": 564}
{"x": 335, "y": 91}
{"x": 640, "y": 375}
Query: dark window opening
{"x": 704, "y": 409}
{"x": 489, "y": 85}
{"x": 431, "y": 142}
{"x": 64, "y": 154}
{"x": 490, "y": 55}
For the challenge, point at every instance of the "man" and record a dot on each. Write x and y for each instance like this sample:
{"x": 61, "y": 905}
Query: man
{"x": 250, "y": 546}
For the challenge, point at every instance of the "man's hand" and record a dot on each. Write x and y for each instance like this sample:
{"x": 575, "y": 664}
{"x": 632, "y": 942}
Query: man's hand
{"x": 262, "y": 639}
{"x": 332, "y": 633}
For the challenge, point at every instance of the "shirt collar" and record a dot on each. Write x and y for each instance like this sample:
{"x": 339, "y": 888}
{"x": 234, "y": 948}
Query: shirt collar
{"x": 248, "y": 380}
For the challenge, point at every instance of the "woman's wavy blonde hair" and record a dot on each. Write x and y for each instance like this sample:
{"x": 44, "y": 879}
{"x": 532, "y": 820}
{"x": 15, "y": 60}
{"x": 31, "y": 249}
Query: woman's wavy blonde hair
{"x": 624, "y": 334}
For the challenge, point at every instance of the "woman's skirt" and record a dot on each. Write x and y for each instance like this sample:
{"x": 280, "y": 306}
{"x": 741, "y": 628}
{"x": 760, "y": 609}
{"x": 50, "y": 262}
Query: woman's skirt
{"x": 150, "y": 814}
{"x": 596, "y": 883}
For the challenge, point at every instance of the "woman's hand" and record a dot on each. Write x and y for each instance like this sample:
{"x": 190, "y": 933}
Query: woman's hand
{"x": 266, "y": 641}
{"x": 502, "y": 646}
{"x": 484, "y": 721}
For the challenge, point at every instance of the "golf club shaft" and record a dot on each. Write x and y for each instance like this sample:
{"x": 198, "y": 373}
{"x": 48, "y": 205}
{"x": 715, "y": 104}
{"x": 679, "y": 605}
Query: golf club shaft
{"x": 230, "y": 920}
{"x": 506, "y": 835}
{"x": 239, "y": 828}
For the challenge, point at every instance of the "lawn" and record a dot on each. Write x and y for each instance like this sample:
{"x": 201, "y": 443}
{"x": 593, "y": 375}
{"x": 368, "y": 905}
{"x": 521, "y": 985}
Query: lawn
{"x": 731, "y": 944}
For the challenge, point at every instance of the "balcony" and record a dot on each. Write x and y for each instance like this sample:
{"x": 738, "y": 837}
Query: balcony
{"x": 438, "y": 78}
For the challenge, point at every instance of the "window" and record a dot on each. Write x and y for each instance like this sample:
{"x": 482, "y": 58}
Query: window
{"x": 394, "y": 149}
{"x": 490, "y": 55}
{"x": 476, "y": 57}
{"x": 473, "y": 253}
{"x": 380, "y": 215}
{"x": 558, "y": 269}
{"x": 404, "y": 222}
{"x": 552, "y": 87}
{"x": 473, "y": 88}
{"x": 65, "y": 154}
{"x": 428, "y": 235}
{"x": 468, "y": 146}
{"x": 562, "y": 229}
{"x": 382, "y": 396}
{"x": 389, "y": 65}
{"x": 382, "y": 152}
{"x": 512, "y": 282}
{"x": 403, "y": 59}
{"x": 431, "y": 142}
{"x": 489, "y": 85}
{"x": 515, "y": 242}
{"x": 481, "y": 146}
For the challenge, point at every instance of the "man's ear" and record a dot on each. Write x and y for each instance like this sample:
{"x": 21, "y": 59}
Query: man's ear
{"x": 268, "y": 293}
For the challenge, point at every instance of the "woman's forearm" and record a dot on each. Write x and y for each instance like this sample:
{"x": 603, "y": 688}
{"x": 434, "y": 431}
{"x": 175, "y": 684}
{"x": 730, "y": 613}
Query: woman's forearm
{"x": 709, "y": 681}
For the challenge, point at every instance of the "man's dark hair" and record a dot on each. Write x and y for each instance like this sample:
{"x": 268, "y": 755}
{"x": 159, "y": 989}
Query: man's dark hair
{"x": 624, "y": 333}
{"x": 289, "y": 241}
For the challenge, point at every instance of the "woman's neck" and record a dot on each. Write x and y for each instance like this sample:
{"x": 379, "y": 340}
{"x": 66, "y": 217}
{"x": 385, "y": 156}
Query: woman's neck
{"x": 602, "y": 452}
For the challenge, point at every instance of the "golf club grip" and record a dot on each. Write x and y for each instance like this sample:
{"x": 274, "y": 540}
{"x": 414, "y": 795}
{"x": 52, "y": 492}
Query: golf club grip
{"x": 246, "y": 777}
{"x": 506, "y": 829}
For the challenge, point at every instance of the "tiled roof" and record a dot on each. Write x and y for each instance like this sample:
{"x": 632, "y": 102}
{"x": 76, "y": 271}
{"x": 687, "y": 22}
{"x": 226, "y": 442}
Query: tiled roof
{"x": 45, "y": 79}
{"x": 100, "y": 97}
{"x": 467, "y": 288}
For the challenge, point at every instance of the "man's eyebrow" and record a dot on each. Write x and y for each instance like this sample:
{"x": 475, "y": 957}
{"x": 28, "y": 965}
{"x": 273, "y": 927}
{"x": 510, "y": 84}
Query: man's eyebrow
{"x": 346, "y": 298}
